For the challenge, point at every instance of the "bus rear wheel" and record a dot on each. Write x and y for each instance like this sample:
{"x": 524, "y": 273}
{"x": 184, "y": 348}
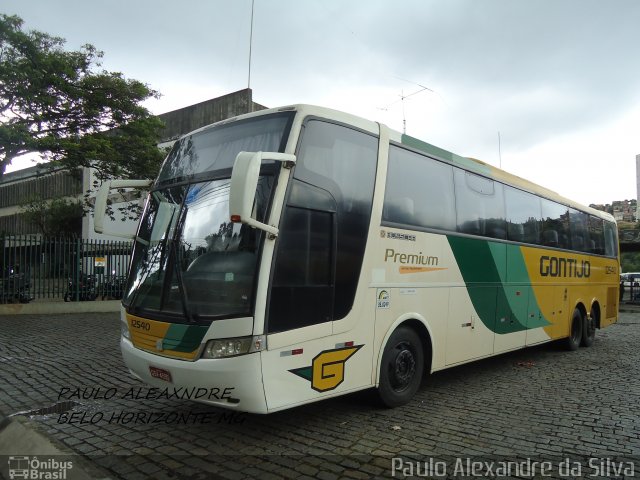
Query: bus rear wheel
{"x": 588, "y": 331}
{"x": 401, "y": 368}
{"x": 575, "y": 336}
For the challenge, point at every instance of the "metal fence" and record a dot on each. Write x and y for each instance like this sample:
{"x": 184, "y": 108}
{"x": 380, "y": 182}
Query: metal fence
{"x": 33, "y": 267}
{"x": 630, "y": 292}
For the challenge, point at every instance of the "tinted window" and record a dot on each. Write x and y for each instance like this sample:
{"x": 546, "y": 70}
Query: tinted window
{"x": 610, "y": 239}
{"x": 343, "y": 162}
{"x": 307, "y": 257}
{"x": 479, "y": 205}
{"x": 302, "y": 293}
{"x": 328, "y": 210}
{"x": 523, "y": 216}
{"x": 555, "y": 225}
{"x": 340, "y": 160}
{"x": 419, "y": 191}
{"x": 579, "y": 225}
{"x": 216, "y": 148}
{"x": 596, "y": 235}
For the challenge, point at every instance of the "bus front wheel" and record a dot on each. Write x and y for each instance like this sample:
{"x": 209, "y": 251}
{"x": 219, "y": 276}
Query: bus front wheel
{"x": 575, "y": 336}
{"x": 401, "y": 368}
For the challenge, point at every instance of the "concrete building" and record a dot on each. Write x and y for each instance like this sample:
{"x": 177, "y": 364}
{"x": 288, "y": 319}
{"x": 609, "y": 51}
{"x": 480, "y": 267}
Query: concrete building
{"x": 622, "y": 210}
{"x": 20, "y": 187}
{"x": 23, "y": 186}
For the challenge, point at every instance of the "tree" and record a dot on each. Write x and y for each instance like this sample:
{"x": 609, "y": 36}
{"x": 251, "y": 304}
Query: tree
{"x": 58, "y": 104}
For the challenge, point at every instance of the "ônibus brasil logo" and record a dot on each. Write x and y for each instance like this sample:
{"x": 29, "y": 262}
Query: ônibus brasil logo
{"x": 32, "y": 467}
{"x": 327, "y": 369}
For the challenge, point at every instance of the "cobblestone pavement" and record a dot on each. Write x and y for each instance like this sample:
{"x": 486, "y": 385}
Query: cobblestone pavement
{"x": 542, "y": 403}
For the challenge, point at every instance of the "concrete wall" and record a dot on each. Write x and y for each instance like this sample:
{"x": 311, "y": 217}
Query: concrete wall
{"x": 184, "y": 120}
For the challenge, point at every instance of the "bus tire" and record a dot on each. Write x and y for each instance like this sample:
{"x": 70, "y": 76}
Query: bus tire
{"x": 575, "y": 334}
{"x": 588, "y": 331}
{"x": 401, "y": 367}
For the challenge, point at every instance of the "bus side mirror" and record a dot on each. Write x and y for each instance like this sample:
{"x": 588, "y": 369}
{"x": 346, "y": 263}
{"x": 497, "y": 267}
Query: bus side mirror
{"x": 101, "y": 202}
{"x": 244, "y": 181}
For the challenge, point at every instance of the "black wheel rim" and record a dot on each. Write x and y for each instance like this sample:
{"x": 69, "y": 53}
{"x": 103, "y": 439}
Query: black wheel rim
{"x": 402, "y": 367}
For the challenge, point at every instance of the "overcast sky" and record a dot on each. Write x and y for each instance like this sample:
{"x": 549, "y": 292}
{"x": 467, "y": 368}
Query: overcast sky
{"x": 558, "y": 79}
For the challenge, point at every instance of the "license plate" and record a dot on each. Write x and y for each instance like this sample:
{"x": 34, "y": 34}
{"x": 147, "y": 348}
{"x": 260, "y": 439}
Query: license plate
{"x": 160, "y": 373}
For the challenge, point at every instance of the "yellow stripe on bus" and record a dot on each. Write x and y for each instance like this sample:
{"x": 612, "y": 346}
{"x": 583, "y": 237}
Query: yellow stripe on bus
{"x": 149, "y": 334}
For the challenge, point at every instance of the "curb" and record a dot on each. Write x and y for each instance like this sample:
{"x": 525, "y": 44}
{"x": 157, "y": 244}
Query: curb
{"x": 19, "y": 439}
{"x": 45, "y": 308}
{"x": 629, "y": 308}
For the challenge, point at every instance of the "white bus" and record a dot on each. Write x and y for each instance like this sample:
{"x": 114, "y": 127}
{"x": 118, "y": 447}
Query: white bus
{"x": 300, "y": 253}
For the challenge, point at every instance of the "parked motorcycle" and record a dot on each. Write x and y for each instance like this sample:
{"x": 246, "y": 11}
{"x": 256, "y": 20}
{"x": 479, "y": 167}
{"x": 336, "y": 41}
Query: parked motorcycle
{"x": 83, "y": 288}
{"x": 113, "y": 287}
{"x": 16, "y": 286}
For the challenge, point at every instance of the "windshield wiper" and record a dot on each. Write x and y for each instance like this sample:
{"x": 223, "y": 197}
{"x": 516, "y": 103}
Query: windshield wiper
{"x": 181, "y": 285}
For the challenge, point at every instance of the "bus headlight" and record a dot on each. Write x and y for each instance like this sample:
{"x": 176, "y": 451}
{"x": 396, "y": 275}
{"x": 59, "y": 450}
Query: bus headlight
{"x": 231, "y": 347}
{"x": 124, "y": 330}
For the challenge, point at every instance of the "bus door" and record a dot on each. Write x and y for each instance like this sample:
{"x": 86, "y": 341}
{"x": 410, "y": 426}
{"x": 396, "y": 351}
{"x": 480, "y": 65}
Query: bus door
{"x": 316, "y": 269}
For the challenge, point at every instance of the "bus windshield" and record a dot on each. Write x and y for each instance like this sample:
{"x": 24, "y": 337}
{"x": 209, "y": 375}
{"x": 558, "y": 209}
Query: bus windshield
{"x": 215, "y": 148}
{"x": 189, "y": 261}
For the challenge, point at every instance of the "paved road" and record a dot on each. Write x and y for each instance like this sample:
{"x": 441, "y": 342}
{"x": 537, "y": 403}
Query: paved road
{"x": 542, "y": 404}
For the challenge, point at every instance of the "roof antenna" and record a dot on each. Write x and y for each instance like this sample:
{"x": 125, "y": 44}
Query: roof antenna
{"x": 250, "y": 44}
{"x": 499, "y": 150}
{"x": 402, "y": 97}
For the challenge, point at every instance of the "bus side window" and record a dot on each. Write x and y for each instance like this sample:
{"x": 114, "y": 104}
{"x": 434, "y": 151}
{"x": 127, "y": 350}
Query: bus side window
{"x": 579, "y": 231}
{"x": 402, "y": 211}
{"x": 555, "y": 217}
{"x": 523, "y": 216}
{"x": 426, "y": 183}
{"x": 550, "y": 238}
{"x": 610, "y": 239}
{"x": 596, "y": 235}
{"x": 479, "y": 205}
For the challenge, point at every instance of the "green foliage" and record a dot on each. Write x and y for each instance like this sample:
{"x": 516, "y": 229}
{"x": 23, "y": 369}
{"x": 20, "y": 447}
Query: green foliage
{"x": 54, "y": 102}
{"x": 59, "y": 217}
{"x": 630, "y": 262}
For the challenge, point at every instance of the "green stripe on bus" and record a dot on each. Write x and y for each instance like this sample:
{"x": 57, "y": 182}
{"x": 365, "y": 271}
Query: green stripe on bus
{"x": 446, "y": 155}
{"x": 483, "y": 266}
{"x": 184, "y": 338}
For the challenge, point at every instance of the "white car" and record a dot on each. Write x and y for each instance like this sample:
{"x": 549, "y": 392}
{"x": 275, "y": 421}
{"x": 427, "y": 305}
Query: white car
{"x": 627, "y": 279}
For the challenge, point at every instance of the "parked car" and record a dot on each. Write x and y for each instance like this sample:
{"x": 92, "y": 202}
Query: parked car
{"x": 630, "y": 278}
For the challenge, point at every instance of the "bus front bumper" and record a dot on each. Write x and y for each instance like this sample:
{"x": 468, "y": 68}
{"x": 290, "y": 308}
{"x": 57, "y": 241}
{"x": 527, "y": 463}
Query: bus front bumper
{"x": 233, "y": 383}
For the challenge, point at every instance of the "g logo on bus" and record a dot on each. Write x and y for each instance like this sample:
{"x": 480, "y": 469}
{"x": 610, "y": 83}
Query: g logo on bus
{"x": 327, "y": 369}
